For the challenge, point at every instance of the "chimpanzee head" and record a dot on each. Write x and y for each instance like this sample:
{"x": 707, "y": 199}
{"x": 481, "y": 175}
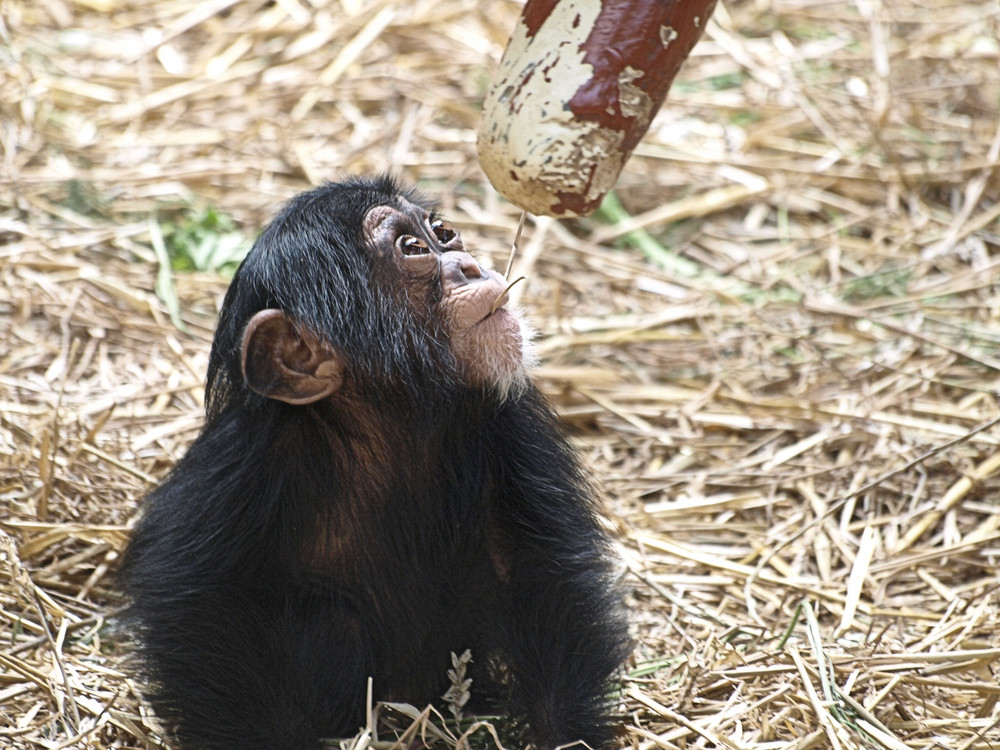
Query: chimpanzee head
{"x": 359, "y": 289}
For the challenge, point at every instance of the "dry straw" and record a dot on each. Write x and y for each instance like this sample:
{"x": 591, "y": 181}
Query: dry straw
{"x": 778, "y": 351}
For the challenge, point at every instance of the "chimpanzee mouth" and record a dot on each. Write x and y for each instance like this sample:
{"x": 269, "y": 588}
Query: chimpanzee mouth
{"x": 504, "y": 297}
{"x": 497, "y": 313}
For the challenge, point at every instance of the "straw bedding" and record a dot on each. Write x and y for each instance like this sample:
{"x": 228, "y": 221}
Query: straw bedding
{"x": 778, "y": 349}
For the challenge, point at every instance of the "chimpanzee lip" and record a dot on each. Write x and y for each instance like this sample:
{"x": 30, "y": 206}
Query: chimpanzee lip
{"x": 494, "y": 311}
{"x": 492, "y": 314}
{"x": 479, "y": 303}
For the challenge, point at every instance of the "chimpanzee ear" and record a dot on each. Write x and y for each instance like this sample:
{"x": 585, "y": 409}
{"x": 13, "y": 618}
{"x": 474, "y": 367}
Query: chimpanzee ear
{"x": 286, "y": 362}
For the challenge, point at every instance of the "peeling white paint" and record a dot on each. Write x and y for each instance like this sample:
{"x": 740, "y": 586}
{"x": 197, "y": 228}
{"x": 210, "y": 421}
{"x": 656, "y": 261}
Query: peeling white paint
{"x": 554, "y": 161}
{"x": 633, "y": 101}
{"x": 530, "y": 144}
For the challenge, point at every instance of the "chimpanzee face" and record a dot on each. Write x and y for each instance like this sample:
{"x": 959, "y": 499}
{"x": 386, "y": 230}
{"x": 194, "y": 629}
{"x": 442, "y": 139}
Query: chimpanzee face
{"x": 439, "y": 277}
{"x": 437, "y": 289}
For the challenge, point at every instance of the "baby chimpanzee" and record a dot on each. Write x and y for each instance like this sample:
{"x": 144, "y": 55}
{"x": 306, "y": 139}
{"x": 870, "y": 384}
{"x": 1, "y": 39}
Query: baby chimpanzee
{"x": 378, "y": 485}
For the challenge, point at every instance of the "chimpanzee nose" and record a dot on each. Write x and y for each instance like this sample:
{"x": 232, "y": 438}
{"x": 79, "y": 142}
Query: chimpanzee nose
{"x": 460, "y": 268}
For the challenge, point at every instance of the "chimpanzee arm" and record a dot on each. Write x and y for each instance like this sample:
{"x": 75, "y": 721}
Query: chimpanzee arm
{"x": 250, "y": 674}
{"x": 236, "y": 653}
{"x": 567, "y": 631}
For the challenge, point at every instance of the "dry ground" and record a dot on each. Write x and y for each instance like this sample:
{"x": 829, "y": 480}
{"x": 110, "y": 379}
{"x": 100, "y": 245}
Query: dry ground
{"x": 783, "y": 368}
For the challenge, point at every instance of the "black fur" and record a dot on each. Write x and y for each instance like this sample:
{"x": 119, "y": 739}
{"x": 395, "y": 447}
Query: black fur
{"x": 296, "y": 550}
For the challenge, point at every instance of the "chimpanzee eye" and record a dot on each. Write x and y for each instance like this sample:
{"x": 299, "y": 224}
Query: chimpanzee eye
{"x": 444, "y": 231}
{"x": 410, "y": 245}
